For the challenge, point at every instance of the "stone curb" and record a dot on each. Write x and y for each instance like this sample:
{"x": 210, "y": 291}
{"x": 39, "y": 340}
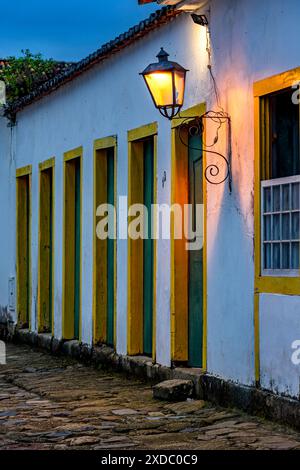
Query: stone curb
{"x": 252, "y": 400}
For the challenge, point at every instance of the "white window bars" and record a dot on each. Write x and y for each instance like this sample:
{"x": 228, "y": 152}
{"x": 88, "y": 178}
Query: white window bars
{"x": 280, "y": 227}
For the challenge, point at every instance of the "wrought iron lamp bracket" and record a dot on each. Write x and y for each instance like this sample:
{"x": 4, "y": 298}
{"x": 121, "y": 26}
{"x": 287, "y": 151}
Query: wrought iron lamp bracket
{"x": 194, "y": 125}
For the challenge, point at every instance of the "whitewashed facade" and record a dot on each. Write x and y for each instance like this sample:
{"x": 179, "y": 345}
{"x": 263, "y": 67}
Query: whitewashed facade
{"x": 251, "y": 40}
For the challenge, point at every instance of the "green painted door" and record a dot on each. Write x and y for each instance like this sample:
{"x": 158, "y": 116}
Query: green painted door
{"x": 148, "y": 249}
{"x": 27, "y": 250}
{"x": 110, "y": 251}
{"x": 195, "y": 281}
{"x": 50, "y": 245}
{"x": 77, "y": 249}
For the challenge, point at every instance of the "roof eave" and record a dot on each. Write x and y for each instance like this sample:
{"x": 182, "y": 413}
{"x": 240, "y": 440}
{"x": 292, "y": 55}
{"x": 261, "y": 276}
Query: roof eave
{"x": 155, "y": 20}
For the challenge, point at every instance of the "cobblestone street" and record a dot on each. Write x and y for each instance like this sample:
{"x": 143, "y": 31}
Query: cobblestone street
{"x": 57, "y": 403}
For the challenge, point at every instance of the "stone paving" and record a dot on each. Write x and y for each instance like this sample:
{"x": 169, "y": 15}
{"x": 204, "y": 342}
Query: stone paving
{"x": 56, "y": 403}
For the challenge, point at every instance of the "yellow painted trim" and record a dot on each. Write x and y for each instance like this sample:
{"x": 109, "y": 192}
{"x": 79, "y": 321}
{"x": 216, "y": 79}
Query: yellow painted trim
{"x": 194, "y": 111}
{"x": 179, "y": 335}
{"x": 44, "y": 166}
{"x": 20, "y": 173}
{"x": 99, "y": 327}
{"x": 75, "y": 153}
{"x": 105, "y": 143}
{"x": 276, "y": 82}
{"x": 50, "y": 163}
{"x": 67, "y": 329}
{"x": 24, "y": 171}
{"x": 268, "y": 284}
{"x": 142, "y": 132}
{"x": 277, "y": 285}
{"x": 135, "y": 258}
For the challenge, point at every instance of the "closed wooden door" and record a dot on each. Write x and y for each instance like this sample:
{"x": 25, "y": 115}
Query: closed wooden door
{"x": 23, "y": 250}
{"x": 195, "y": 263}
{"x": 46, "y": 250}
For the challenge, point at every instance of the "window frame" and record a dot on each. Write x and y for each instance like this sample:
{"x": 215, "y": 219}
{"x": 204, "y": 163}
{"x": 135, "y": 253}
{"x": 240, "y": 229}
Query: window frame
{"x": 277, "y": 283}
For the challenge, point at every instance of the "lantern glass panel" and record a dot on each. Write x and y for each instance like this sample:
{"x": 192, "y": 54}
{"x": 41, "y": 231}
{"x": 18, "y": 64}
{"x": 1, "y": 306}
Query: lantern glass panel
{"x": 161, "y": 87}
{"x": 179, "y": 87}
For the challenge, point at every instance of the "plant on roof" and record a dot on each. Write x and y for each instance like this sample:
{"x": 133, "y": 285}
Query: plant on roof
{"x": 25, "y": 73}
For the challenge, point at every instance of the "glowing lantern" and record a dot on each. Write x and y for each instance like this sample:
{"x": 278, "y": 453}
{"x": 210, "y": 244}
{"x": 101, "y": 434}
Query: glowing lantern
{"x": 166, "y": 83}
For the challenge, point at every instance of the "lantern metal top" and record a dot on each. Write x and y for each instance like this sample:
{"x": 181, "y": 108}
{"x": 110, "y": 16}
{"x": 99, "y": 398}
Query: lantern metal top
{"x": 163, "y": 64}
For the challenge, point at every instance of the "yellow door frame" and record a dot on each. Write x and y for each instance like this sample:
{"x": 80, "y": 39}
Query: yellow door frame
{"x": 266, "y": 284}
{"x": 68, "y": 236}
{"x": 22, "y": 172}
{"x": 99, "y": 265}
{"x": 179, "y": 255}
{"x": 43, "y": 167}
{"x": 135, "y": 247}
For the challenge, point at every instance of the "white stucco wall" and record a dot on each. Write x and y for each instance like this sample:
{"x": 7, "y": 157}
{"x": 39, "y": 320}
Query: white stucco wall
{"x": 250, "y": 40}
{"x": 7, "y": 227}
{"x": 279, "y": 329}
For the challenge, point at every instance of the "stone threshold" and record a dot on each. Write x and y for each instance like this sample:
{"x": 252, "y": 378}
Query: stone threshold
{"x": 220, "y": 392}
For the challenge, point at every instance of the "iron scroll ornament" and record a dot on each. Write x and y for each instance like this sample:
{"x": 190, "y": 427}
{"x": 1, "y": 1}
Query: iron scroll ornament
{"x": 195, "y": 126}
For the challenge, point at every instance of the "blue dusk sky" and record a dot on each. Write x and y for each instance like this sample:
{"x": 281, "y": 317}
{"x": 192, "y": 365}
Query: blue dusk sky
{"x": 65, "y": 29}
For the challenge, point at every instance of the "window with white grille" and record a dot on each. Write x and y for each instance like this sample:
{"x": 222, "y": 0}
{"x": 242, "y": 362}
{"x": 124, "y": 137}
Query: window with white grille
{"x": 280, "y": 212}
{"x": 280, "y": 184}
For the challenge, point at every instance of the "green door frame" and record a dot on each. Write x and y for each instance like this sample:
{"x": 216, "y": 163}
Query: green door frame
{"x": 195, "y": 261}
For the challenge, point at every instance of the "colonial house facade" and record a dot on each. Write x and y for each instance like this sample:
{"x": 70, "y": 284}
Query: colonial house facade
{"x": 92, "y": 135}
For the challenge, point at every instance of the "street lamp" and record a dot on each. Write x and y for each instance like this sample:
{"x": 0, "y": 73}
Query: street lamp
{"x": 165, "y": 81}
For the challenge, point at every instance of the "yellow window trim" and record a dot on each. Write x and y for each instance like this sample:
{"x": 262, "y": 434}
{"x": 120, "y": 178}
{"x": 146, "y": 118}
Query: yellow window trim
{"x": 266, "y": 284}
{"x": 24, "y": 171}
{"x": 276, "y": 82}
{"x": 70, "y": 155}
{"x": 179, "y": 345}
{"x": 142, "y": 132}
{"x": 134, "y": 328}
{"x": 46, "y": 165}
{"x": 193, "y": 112}
{"x": 104, "y": 144}
{"x": 74, "y": 153}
